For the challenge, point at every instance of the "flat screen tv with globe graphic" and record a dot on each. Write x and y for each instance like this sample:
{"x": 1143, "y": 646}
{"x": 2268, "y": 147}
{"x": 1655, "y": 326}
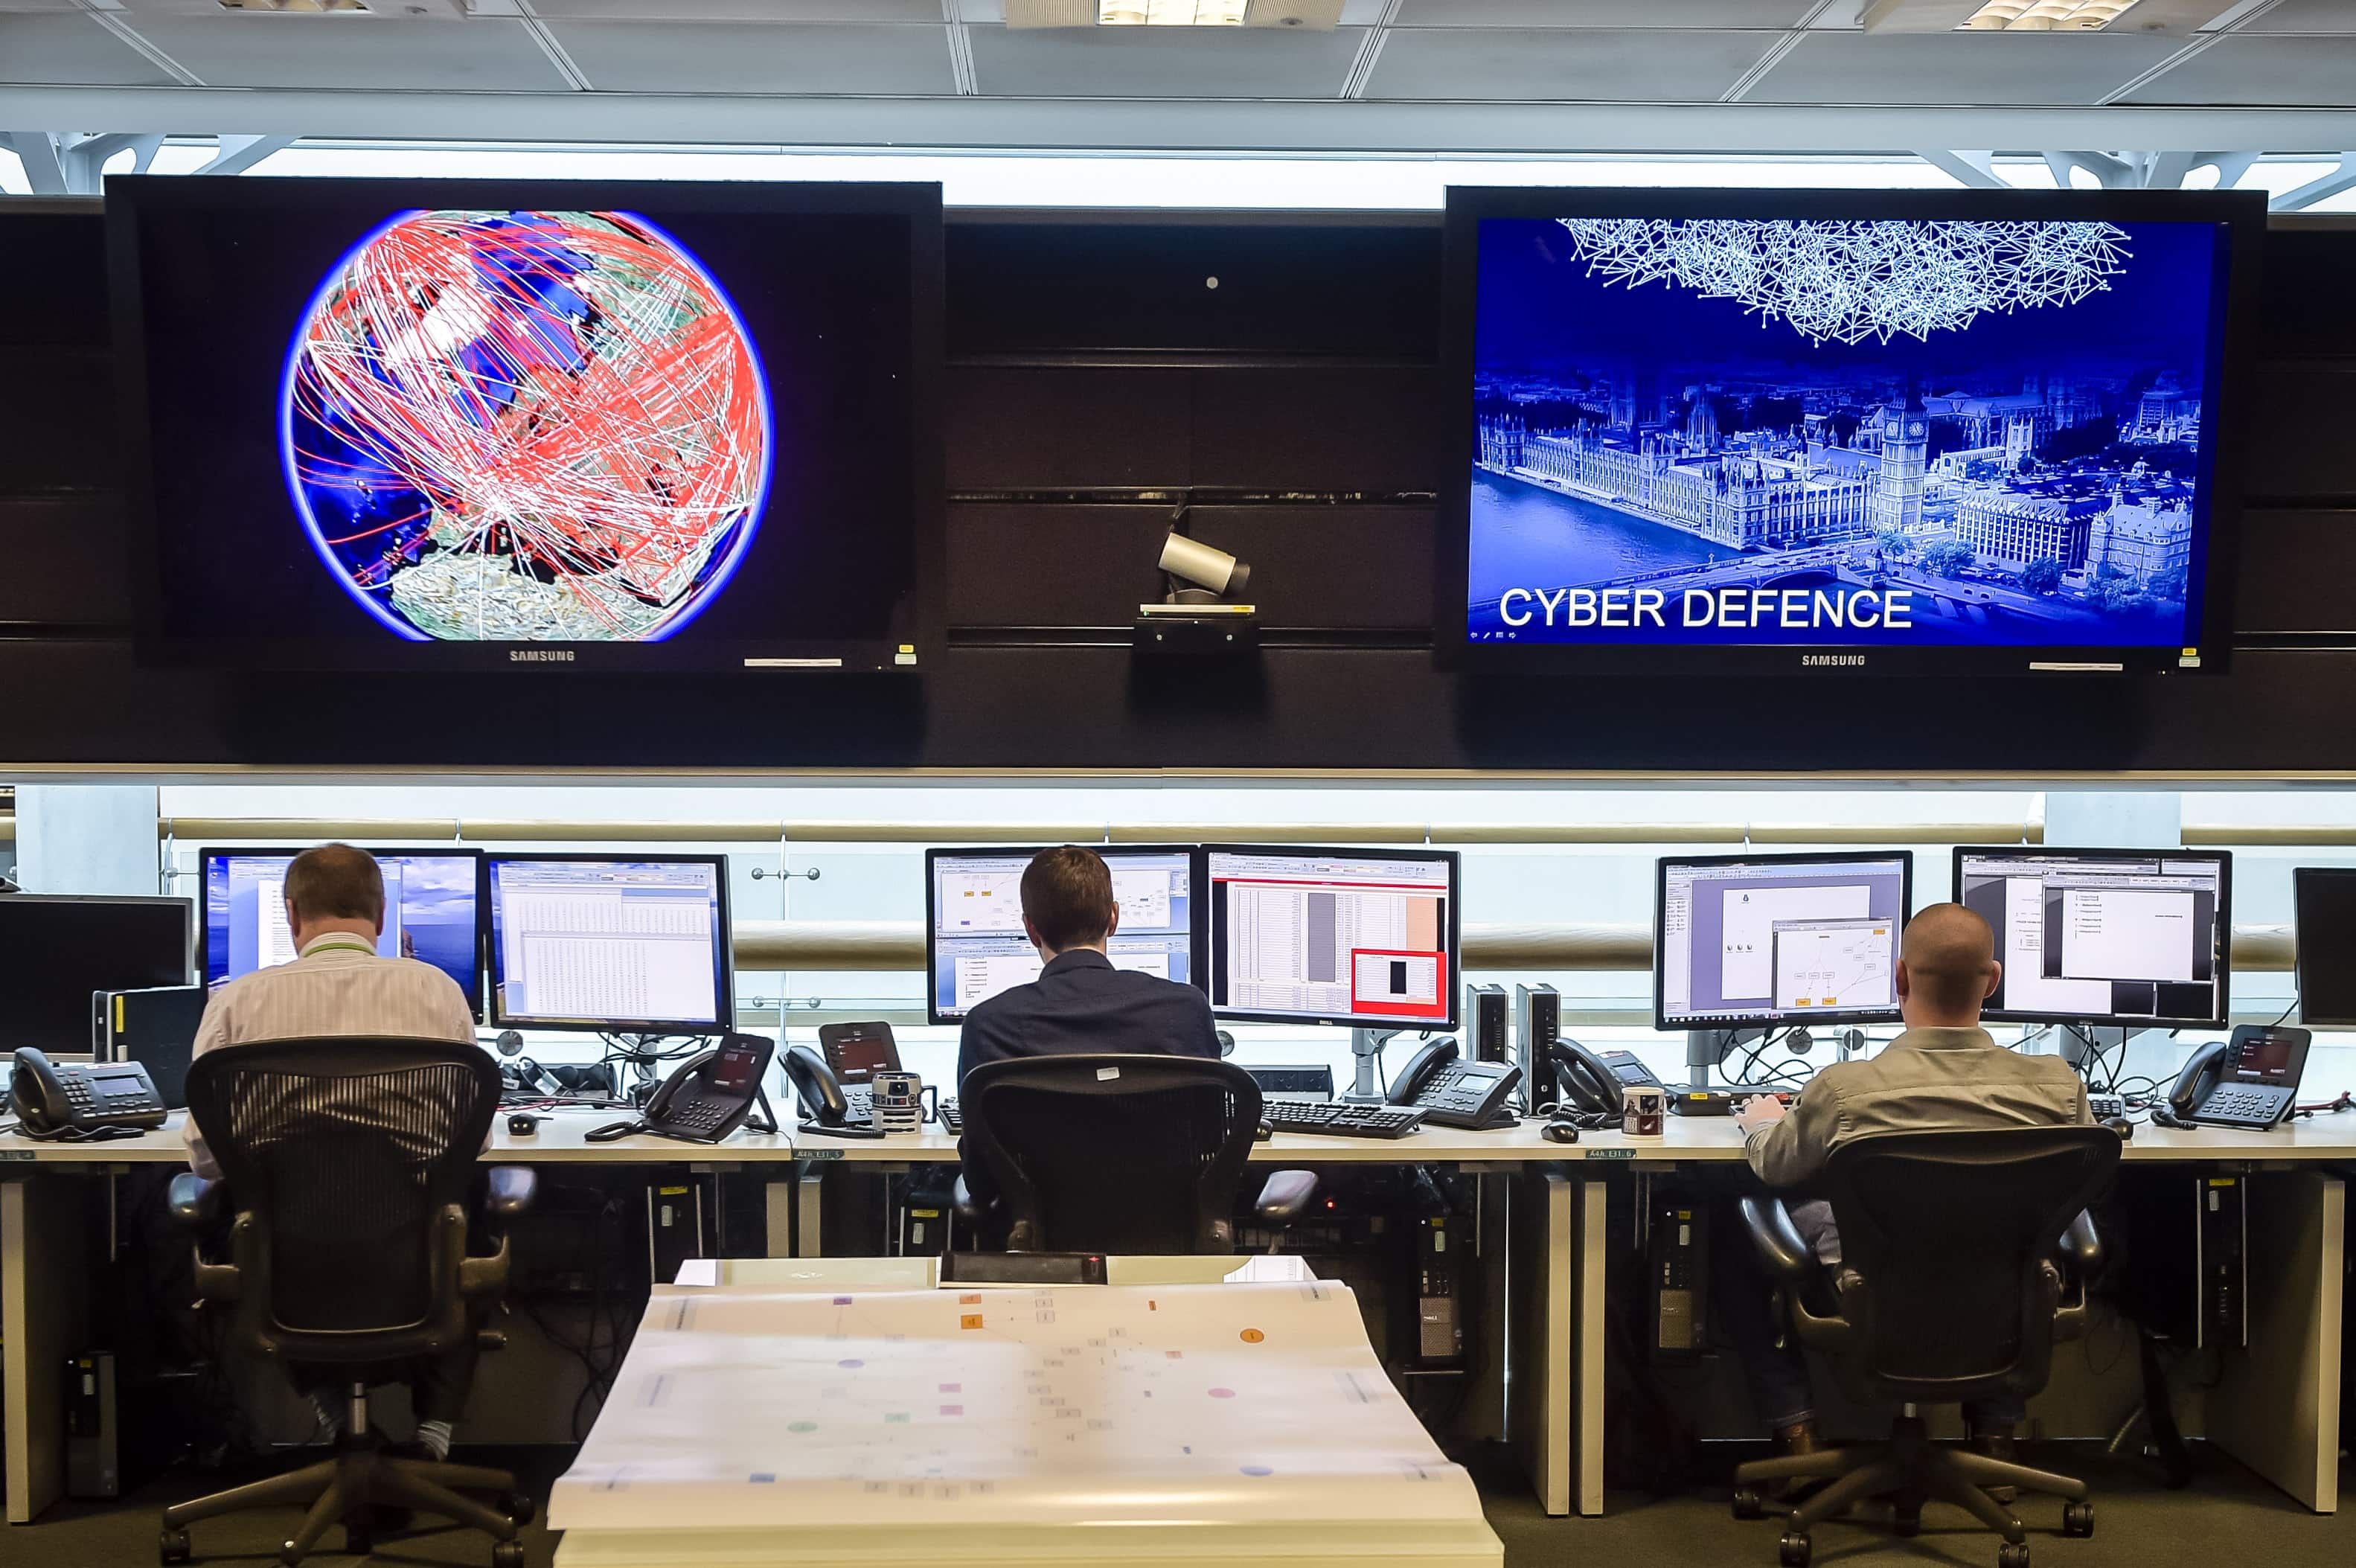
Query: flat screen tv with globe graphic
{"x": 1839, "y": 436}
{"x": 468, "y": 424}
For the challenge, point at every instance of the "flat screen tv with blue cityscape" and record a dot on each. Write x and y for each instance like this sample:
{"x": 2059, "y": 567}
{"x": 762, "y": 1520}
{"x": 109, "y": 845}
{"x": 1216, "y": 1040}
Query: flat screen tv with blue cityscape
{"x": 1744, "y": 431}
{"x": 416, "y": 425}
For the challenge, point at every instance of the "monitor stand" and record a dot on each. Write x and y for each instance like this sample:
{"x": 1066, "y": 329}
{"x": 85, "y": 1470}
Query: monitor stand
{"x": 2086, "y": 1043}
{"x": 1366, "y": 1047}
{"x": 1705, "y": 1048}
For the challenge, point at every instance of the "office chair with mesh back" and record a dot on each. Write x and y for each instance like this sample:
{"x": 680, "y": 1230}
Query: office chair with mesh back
{"x": 1103, "y": 1152}
{"x": 345, "y": 1167}
{"x": 1956, "y": 1253}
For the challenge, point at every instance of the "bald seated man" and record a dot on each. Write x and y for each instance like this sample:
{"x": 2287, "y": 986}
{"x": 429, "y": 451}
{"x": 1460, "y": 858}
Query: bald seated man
{"x": 1943, "y": 1074}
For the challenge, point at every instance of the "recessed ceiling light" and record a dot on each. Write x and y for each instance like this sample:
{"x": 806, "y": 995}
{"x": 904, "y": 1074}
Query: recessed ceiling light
{"x": 2046, "y": 16}
{"x": 293, "y": 4}
{"x": 1313, "y": 15}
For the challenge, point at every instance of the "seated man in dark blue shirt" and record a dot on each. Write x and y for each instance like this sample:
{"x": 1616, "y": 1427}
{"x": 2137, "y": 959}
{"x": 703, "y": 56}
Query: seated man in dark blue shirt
{"x": 1080, "y": 1002}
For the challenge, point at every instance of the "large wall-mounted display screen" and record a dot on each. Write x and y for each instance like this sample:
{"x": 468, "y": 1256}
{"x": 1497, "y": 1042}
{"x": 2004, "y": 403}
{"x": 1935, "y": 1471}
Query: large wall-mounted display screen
{"x": 1737, "y": 429}
{"x": 416, "y": 425}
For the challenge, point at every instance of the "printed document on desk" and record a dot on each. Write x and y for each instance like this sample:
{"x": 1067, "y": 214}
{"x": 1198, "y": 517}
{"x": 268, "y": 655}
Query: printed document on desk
{"x": 1252, "y": 1405}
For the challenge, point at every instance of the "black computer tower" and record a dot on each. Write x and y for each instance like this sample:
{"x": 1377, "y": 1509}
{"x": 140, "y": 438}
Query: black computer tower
{"x": 1538, "y": 1024}
{"x": 1435, "y": 1294}
{"x": 1488, "y": 1030}
{"x": 93, "y": 1457}
{"x": 2221, "y": 1257}
{"x": 1676, "y": 1257}
{"x": 156, "y": 1028}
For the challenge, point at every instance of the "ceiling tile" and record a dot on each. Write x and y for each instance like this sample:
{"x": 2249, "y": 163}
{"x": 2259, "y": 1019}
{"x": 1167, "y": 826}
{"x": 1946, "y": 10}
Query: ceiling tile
{"x": 1603, "y": 13}
{"x": 2304, "y": 16}
{"x": 720, "y": 57}
{"x": 259, "y": 50}
{"x": 2306, "y": 73}
{"x": 1173, "y": 62}
{"x": 852, "y": 11}
{"x": 1497, "y": 63}
{"x": 1972, "y": 68}
{"x": 70, "y": 51}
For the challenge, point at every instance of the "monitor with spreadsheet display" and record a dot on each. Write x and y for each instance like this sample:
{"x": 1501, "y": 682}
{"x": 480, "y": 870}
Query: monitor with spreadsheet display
{"x": 429, "y": 912}
{"x": 2132, "y": 938}
{"x": 1360, "y": 938}
{"x": 974, "y": 943}
{"x": 2324, "y": 899}
{"x": 1743, "y": 942}
{"x": 627, "y": 943}
{"x": 56, "y": 950}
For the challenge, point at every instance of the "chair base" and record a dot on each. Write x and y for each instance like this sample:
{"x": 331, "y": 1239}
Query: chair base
{"x": 1911, "y": 1469}
{"x": 349, "y": 1487}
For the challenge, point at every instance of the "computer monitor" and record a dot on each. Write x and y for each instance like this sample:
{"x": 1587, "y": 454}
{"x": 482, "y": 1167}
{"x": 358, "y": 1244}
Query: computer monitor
{"x": 1361, "y": 937}
{"x": 2323, "y": 900}
{"x": 429, "y": 912}
{"x": 2130, "y": 937}
{"x": 57, "y": 950}
{"x": 1760, "y": 940}
{"x": 974, "y": 945}
{"x": 627, "y": 943}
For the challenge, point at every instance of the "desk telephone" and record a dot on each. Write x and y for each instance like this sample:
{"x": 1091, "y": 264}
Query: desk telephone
{"x": 826, "y": 1104}
{"x": 82, "y": 1101}
{"x": 1592, "y": 1085}
{"x": 1455, "y": 1093}
{"x": 708, "y": 1097}
{"x": 2249, "y": 1082}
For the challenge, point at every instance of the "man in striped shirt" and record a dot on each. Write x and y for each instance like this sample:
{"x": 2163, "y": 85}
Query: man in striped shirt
{"x": 339, "y": 986}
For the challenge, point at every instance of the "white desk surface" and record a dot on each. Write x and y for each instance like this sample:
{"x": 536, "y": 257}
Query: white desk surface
{"x": 560, "y": 1141}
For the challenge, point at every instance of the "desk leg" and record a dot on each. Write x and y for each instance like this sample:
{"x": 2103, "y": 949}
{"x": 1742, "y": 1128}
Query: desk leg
{"x": 1542, "y": 1385}
{"x": 809, "y": 1188}
{"x": 1594, "y": 1248}
{"x": 2277, "y": 1404}
{"x": 41, "y": 1306}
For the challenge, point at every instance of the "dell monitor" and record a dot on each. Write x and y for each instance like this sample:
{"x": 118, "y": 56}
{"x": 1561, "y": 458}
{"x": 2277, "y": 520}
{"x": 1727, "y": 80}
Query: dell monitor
{"x": 429, "y": 912}
{"x": 2122, "y": 938}
{"x": 56, "y": 952}
{"x": 975, "y": 946}
{"x": 1366, "y": 939}
{"x": 2324, "y": 901}
{"x": 625, "y": 944}
{"x": 1765, "y": 940}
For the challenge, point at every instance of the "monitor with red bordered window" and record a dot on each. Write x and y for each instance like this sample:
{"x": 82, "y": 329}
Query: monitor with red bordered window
{"x": 1361, "y": 937}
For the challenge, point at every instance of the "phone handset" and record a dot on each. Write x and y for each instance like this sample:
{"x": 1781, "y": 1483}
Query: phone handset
{"x": 1420, "y": 1069}
{"x": 1476, "y": 1095}
{"x": 1586, "y": 1085}
{"x": 2201, "y": 1075}
{"x": 825, "y": 1107}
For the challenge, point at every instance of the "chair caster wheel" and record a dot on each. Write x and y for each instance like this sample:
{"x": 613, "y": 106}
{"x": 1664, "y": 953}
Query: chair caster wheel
{"x": 1908, "y": 1520}
{"x": 2078, "y": 1519}
{"x": 2012, "y": 1554}
{"x": 519, "y": 1507}
{"x": 1793, "y": 1551}
{"x": 507, "y": 1554}
{"x": 172, "y": 1546}
{"x": 1749, "y": 1504}
{"x": 357, "y": 1544}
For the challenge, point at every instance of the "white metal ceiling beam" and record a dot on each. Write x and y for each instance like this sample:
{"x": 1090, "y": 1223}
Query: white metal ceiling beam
{"x": 239, "y": 154}
{"x": 1175, "y": 125}
{"x": 1973, "y": 170}
{"x": 2316, "y": 191}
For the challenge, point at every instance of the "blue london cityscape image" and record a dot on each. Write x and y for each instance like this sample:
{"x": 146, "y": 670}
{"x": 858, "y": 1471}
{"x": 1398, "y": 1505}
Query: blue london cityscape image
{"x": 1867, "y": 433}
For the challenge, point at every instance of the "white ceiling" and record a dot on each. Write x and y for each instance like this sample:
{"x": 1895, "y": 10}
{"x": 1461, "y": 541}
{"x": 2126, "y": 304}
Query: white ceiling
{"x": 903, "y": 62}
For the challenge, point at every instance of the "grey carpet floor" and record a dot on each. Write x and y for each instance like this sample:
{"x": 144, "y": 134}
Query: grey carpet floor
{"x": 2226, "y": 1517}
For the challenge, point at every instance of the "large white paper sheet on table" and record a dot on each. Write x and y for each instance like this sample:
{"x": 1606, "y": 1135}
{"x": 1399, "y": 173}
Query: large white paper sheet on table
{"x": 1173, "y": 1404}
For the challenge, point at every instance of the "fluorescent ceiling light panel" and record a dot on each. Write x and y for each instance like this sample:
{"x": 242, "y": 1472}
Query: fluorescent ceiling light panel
{"x": 1311, "y": 15}
{"x": 2047, "y": 15}
{"x": 1172, "y": 13}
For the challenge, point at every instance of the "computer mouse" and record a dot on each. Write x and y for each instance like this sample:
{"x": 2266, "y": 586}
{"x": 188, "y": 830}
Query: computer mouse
{"x": 1560, "y": 1133}
{"x": 523, "y": 1124}
{"x": 2122, "y": 1126}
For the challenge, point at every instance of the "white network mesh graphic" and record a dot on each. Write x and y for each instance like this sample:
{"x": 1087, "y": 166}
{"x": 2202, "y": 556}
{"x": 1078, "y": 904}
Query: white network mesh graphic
{"x": 1851, "y": 281}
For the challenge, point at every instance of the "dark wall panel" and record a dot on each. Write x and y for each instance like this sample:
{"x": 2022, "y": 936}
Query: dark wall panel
{"x": 1090, "y": 356}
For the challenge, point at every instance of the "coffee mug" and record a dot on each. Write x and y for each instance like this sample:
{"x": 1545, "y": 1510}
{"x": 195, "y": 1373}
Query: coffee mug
{"x": 1645, "y": 1111}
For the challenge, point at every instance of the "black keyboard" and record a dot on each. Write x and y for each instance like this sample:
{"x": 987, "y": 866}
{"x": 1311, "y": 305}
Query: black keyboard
{"x": 1343, "y": 1118}
{"x": 952, "y": 1119}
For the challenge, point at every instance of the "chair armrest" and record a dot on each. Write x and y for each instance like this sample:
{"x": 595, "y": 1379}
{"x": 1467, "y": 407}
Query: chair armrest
{"x": 508, "y": 1191}
{"x": 1776, "y": 1239}
{"x": 195, "y": 1201}
{"x": 1284, "y": 1196}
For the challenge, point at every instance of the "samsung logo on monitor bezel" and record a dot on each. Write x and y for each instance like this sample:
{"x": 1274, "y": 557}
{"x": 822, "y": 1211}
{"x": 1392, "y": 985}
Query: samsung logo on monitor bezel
{"x": 540, "y": 656}
{"x": 1832, "y": 661}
